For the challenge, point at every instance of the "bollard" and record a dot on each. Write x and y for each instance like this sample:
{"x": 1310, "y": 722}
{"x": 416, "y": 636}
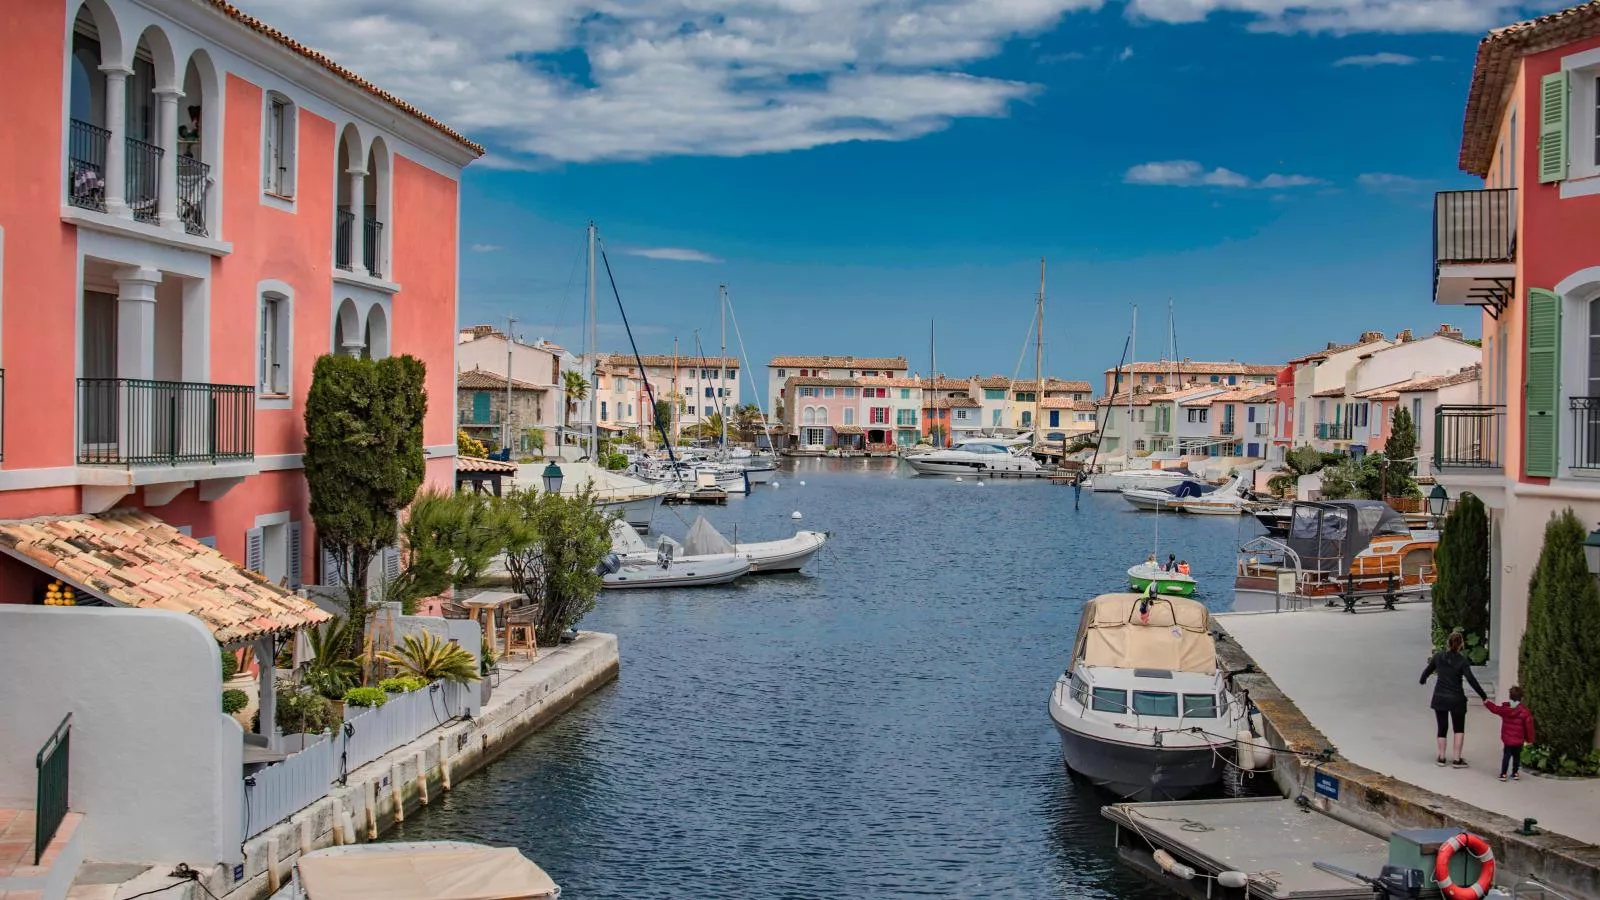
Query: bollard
{"x": 444, "y": 761}
{"x": 273, "y": 881}
{"x": 422, "y": 777}
{"x": 396, "y": 794}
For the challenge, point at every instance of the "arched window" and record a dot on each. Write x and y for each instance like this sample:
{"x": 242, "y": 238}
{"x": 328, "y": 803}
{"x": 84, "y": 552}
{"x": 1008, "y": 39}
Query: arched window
{"x": 809, "y": 417}
{"x": 822, "y": 415}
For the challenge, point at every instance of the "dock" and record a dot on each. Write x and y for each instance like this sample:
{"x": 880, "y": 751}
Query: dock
{"x": 1272, "y": 840}
{"x": 702, "y": 497}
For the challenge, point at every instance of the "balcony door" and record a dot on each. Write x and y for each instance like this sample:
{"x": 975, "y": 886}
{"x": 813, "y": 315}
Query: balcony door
{"x": 98, "y": 353}
{"x": 1586, "y": 410}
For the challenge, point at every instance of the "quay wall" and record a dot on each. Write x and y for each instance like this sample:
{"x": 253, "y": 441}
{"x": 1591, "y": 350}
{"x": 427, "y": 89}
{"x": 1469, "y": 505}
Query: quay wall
{"x": 382, "y": 793}
{"x": 1379, "y": 804}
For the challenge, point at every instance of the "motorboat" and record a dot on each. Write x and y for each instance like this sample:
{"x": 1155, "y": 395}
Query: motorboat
{"x": 1146, "y": 479}
{"x": 1158, "y": 498}
{"x": 1275, "y": 519}
{"x": 1145, "y": 574}
{"x": 1228, "y": 500}
{"x": 632, "y": 564}
{"x": 786, "y": 555}
{"x": 417, "y": 870}
{"x": 637, "y": 511}
{"x": 1335, "y": 549}
{"x": 977, "y": 456}
{"x": 1144, "y": 710}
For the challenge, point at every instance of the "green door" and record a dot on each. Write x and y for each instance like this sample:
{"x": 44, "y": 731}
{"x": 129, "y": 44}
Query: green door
{"x": 480, "y": 408}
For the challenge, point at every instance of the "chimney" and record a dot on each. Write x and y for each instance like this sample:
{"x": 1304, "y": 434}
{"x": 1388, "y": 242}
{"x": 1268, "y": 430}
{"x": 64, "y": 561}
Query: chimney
{"x": 1404, "y": 337}
{"x": 1449, "y": 331}
{"x": 1331, "y": 345}
{"x": 1368, "y": 337}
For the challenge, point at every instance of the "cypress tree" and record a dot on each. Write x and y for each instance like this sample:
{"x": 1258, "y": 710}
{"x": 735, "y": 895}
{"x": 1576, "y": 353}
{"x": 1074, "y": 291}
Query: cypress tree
{"x": 1461, "y": 593}
{"x": 1560, "y": 678}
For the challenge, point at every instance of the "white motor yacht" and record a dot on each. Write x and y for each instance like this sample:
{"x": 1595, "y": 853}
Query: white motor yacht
{"x": 977, "y": 456}
{"x": 1145, "y": 710}
{"x": 1147, "y": 479}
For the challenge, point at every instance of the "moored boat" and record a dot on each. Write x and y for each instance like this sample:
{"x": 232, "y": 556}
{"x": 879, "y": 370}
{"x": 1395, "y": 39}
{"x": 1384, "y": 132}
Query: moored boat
{"x": 1144, "y": 709}
{"x": 1227, "y": 500}
{"x": 1147, "y": 479}
{"x": 1142, "y": 576}
{"x": 1158, "y": 498}
{"x": 1334, "y": 549}
{"x": 784, "y": 555}
{"x": 978, "y": 456}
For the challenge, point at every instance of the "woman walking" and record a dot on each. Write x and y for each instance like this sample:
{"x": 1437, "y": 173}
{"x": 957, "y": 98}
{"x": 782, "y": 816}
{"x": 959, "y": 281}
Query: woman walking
{"x": 1449, "y": 698}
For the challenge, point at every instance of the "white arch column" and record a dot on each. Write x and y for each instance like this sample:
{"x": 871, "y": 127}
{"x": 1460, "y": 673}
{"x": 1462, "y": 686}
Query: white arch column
{"x": 167, "y": 139}
{"x": 358, "y": 212}
{"x": 116, "y": 143}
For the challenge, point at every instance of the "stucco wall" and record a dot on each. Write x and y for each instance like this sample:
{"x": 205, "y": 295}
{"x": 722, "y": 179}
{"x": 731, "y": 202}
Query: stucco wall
{"x": 155, "y": 765}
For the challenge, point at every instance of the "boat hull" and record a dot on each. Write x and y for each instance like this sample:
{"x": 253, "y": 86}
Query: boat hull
{"x": 1150, "y": 501}
{"x": 1140, "y": 772}
{"x": 925, "y": 466}
{"x": 682, "y": 573}
{"x": 1206, "y": 509}
{"x": 1140, "y": 578}
{"x": 782, "y": 556}
{"x": 1140, "y": 479}
{"x": 638, "y": 512}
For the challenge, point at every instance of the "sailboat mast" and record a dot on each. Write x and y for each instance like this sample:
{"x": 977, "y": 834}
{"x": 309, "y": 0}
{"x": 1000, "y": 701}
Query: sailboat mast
{"x": 594, "y": 359}
{"x": 673, "y": 398}
{"x": 933, "y": 377}
{"x": 1133, "y": 356}
{"x": 1038, "y": 357}
{"x": 722, "y": 367}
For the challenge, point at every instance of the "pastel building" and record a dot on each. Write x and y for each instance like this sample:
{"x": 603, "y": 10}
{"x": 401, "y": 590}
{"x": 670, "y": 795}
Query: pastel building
{"x": 1127, "y": 426}
{"x": 1521, "y": 248}
{"x": 537, "y": 366}
{"x": 701, "y": 386}
{"x": 782, "y": 368}
{"x": 1241, "y": 421}
{"x": 1145, "y": 376}
{"x": 904, "y": 396}
{"x": 196, "y": 207}
{"x": 1345, "y": 419}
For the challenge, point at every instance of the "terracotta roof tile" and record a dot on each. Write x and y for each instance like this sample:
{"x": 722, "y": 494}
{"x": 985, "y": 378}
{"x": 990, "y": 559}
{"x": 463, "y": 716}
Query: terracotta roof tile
{"x": 134, "y": 559}
{"x": 809, "y": 381}
{"x": 884, "y": 381}
{"x": 666, "y": 361}
{"x": 1330, "y": 392}
{"x": 476, "y": 379}
{"x": 479, "y": 464}
{"x": 1142, "y": 399}
{"x": 1495, "y": 72}
{"x": 1187, "y": 368}
{"x": 273, "y": 34}
{"x": 1066, "y": 403}
{"x": 894, "y": 363}
{"x": 962, "y": 402}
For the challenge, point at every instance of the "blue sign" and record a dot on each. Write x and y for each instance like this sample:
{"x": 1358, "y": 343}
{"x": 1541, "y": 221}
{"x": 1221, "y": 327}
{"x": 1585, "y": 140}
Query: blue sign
{"x": 1327, "y": 785}
{"x": 238, "y": 872}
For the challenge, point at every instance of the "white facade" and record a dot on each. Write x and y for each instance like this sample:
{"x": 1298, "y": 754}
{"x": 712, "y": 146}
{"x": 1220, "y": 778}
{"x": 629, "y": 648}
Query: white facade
{"x": 783, "y": 368}
{"x": 1433, "y": 355}
{"x": 529, "y": 363}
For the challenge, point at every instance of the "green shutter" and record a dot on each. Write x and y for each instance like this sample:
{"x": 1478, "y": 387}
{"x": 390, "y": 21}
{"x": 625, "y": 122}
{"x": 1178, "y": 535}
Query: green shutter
{"x": 1553, "y": 127}
{"x": 1542, "y": 403}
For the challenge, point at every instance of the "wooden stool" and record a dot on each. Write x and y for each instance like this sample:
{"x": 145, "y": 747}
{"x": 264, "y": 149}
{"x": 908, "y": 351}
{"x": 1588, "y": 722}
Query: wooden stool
{"x": 521, "y": 625}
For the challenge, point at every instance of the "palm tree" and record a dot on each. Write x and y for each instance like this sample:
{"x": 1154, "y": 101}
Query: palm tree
{"x": 428, "y": 656}
{"x": 747, "y": 420}
{"x": 709, "y": 428}
{"x": 576, "y": 387}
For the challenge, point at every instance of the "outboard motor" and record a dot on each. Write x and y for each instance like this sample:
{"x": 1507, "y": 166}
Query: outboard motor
{"x": 664, "y": 555}
{"x": 609, "y": 564}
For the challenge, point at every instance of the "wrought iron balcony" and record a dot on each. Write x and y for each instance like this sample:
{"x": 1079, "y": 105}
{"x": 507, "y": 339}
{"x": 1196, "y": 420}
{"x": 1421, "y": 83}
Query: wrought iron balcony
{"x": 144, "y": 178}
{"x": 194, "y": 184}
{"x": 86, "y": 165}
{"x": 135, "y": 422}
{"x": 473, "y": 417}
{"x": 1585, "y": 432}
{"x": 1474, "y": 247}
{"x": 1227, "y": 429}
{"x": 1334, "y": 431}
{"x": 1469, "y": 437}
{"x": 344, "y": 229}
{"x": 372, "y": 246}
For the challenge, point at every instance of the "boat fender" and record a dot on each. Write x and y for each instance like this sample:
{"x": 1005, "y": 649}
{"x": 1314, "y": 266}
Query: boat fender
{"x": 1251, "y": 753}
{"x": 1172, "y": 866}
{"x": 958, "y": 480}
{"x": 796, "y": 515}
{"x": 1232, "y": 879}
{"x": 802, "y": 484}
{"x": 1479, "y": 848}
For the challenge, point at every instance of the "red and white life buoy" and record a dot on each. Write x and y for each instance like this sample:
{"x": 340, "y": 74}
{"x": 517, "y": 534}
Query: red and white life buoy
{"x": 1479, "y": 848}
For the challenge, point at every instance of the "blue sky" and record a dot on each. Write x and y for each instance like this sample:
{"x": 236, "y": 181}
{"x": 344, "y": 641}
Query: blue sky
{"x": 853, "y": 170}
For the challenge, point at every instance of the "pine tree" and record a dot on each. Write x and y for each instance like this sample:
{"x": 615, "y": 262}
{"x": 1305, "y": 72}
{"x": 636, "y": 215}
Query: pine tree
{"x": 1401, "y": 450}
{"x": 1560, "y": 678}
{"x": 1461, "y": 594}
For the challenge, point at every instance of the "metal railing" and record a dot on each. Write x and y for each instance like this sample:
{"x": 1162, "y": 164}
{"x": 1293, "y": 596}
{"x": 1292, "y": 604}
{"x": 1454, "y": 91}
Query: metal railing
{"x": 53, "y": 764}
{"x": 344, "y": 230}
{"x": 194, "y": 184}
{"x": 1227, "y": 429}
{"x": 1334, "y": 431}
{"x": 371, "y": 245}
{"x": 144, "y": 179}
{"x": 1468, "y": 437}
{"x": 1475, "y": 226}
{"x": 131, "y": 421}
{"x": 471, "y": 417}
{"x": 86, "y": 165}
{"x": 1585, "y": 432}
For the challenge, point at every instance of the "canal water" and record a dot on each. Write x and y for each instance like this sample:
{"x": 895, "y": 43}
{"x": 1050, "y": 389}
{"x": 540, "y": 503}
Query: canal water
{"x": 875, "y": 727}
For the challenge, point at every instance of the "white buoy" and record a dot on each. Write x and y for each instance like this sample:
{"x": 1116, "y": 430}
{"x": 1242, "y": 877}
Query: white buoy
{"x": 802, "y": 484}
{"x": 980, "y": 484}
{"x": 1232, "y": 879}
{"x": 774, "y": 484}
{"x": 958, "y": 479}
{"x": 796, "y": 515}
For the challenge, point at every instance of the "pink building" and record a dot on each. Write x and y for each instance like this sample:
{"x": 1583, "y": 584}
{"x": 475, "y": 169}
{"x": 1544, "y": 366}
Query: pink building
{"x": 196, "y": 207}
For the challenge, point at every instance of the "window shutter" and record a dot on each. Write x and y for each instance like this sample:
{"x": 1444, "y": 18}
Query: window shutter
{"x": 330, "y": 570}
{"x": 1541, "y": 403}
{"x": 253, "y": 541}
{"x": 296, "y": 581}
{"x": 1553, "y": 127}
{"x": 391, "y": 563}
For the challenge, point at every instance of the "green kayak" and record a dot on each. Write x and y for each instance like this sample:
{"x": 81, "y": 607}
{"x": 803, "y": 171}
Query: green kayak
{"x": 1140, "y": 578}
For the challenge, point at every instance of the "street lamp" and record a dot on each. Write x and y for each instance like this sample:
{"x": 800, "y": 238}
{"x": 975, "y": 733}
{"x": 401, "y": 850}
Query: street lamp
{"x": 1591, "y": 551}
{"x": 552, "y": 478}
{"x": 1437, "y": 498}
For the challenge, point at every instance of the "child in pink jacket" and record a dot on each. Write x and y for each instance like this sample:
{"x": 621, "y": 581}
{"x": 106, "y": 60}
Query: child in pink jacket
{"x": 1516, "y": 729}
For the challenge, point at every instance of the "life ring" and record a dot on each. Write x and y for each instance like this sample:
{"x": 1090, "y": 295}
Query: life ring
{"x": 1479, "y": 848}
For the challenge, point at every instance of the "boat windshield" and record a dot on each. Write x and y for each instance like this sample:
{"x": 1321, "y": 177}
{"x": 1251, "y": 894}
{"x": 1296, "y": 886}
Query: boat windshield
{"x": 1155, "y": 703}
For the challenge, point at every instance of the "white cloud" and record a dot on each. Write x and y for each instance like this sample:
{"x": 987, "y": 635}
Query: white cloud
{"x": 485, "y": 248}
{"x": 1387, "y": 182}
{"x": 674, "y": 254}
{"x": 1188, "y": 173}
{"x": 1052, "y": 58}
{"x": 1377, "y": 59}
{"x": 1341, "y": 16}
{"x": 1125, "y": 55}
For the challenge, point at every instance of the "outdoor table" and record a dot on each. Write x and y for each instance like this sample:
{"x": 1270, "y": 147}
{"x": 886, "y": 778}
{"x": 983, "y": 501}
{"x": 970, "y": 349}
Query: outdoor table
{"x": 484, "y": 607}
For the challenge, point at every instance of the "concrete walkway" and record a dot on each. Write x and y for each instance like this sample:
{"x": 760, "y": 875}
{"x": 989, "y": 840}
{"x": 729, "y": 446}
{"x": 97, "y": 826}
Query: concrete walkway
{"x": 1355, "y": 678}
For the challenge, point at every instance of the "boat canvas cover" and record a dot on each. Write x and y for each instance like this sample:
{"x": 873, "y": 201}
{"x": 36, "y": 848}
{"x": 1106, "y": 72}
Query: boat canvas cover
{"x": 492, "y": 873}
{"x": 1176, "y": 636}
{"x": 704, "y": 540}
{"x": 625, "y": 540}
{"x": 1328, "y": 535}
{"x": 1190, "y": 489}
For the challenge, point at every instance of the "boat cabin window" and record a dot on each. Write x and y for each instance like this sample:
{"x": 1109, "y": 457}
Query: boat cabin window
{"x": 1155, "y": 703}
{"x": 1080, "y": 691}
{"x": 1199, "y": 706}
{"x": 1110, "y": 700}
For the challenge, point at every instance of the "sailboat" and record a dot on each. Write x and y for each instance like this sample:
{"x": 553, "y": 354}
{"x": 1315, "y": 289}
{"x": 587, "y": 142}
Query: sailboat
{"x": 1150, "y": 576}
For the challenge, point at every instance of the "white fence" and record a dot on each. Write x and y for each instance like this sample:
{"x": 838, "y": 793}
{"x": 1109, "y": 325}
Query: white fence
{"x": 284, "y": 788}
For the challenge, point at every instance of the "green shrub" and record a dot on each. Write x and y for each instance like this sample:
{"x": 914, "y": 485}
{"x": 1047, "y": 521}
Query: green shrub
{"x": 1461, "y": 593}
{"x": 1541, "y": 758}
{"x": 402, "y": 684}
{"x": 615, "y": 462}
{"x": 365, "y": 696}
{"x": 230, "y": 665}
{"x": 304, "y": 712}
{"x": 234, "y": 700}
{"x": 1560, "y": 681}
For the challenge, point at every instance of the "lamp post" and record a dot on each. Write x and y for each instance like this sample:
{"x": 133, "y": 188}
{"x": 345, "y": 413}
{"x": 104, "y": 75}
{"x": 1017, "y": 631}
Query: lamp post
{"x": 1438, "y": 498}
{"x": 1591, "y": 551}
{"x": 552, "y": 478}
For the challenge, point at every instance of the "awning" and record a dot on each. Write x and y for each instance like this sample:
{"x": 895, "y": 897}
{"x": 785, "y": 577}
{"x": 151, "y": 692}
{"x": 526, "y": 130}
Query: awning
{"x": 479, "y": 464}
{"x": 131, "y": 558}
{"x": 847, "y": 429}
{"x": 500, "y": 873}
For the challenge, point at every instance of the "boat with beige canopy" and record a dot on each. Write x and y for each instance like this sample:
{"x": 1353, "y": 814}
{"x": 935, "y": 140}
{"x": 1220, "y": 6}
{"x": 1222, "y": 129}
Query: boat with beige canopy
{"x": 1144, "y": 709}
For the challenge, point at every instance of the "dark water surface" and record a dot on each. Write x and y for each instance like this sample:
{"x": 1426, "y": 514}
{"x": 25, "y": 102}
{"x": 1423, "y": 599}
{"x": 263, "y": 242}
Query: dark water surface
{"x": 875, "y": 727}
